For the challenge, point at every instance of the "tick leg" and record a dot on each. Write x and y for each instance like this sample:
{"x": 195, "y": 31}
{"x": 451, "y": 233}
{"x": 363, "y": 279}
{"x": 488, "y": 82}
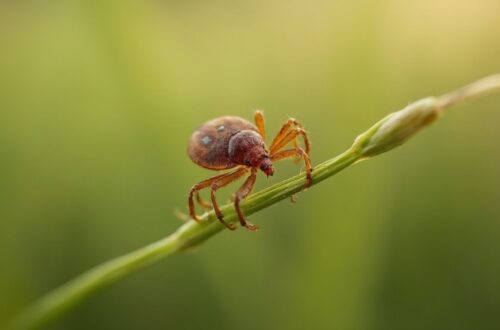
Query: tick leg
{"x": 290, "y": 137}
{"x": 283, "y": 131}
{"x": 199, "y": 186}
{"x": 219, "y": 184}
{"x": 259, "y": 122}
{"x": 204, "y": 204}
{"x": 282, "y": 138}
{"x": 243, "y": 192}
{"x": 289, "y": 153}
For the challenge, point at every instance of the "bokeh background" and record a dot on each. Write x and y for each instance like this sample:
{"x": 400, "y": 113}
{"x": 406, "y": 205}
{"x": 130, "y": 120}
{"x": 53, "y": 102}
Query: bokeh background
{"x": 99, "y": 98}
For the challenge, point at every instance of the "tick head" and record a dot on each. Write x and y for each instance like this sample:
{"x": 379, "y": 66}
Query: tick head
{"x": 266, "y": 166}
{"x": 247, "y": 148}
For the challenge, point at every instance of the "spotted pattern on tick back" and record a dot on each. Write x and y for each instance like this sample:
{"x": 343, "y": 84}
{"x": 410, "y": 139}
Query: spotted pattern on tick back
{"x": 207, "y": 144}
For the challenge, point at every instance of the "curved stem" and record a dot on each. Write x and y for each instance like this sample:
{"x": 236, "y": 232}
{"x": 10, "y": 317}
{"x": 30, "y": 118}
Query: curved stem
{"x": 478, "y": 88}
{"x": 388, "y": 133}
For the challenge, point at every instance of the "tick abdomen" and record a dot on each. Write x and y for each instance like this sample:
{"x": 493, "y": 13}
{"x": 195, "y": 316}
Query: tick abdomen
{"x": 208, "y": 146}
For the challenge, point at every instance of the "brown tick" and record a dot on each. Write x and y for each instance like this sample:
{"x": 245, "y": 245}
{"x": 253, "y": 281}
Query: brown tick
{"x": 232, "y": 142}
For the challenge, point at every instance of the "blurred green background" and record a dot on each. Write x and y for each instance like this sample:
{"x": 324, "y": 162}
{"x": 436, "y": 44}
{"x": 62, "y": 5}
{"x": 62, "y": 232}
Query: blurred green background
{"x": 99, "y": 98}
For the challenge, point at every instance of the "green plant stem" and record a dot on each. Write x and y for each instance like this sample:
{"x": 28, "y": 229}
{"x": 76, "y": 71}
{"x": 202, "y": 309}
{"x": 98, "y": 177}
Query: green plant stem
{"x": 388, "y": 133}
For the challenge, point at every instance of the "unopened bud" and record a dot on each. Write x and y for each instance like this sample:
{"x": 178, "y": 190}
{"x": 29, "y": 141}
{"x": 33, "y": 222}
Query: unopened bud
{"x": 397, "y": 127}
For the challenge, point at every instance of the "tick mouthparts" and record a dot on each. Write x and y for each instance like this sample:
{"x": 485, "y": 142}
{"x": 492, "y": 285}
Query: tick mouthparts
{"x": 267, "y": 167}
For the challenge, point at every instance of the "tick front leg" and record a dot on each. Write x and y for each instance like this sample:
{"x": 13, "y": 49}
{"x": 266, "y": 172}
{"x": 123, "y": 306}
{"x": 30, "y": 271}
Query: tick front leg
{"x": 291, "y": 136}
{"x": 283, "y": 131}
{"x": 299, "y": 152}
{"x": 243, "y": 192}
{"x": 288, "y": 133}
{"x": 259, "y": 122}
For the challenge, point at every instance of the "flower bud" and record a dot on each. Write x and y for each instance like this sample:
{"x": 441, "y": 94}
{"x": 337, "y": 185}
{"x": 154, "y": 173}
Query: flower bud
{"x": 397, "y": 127}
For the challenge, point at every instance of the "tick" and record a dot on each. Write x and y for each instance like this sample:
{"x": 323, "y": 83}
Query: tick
{"x": 231, "y": 142}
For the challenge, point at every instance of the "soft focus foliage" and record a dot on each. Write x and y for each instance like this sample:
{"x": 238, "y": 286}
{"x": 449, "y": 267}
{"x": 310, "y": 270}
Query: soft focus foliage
{"x": 98, "y": 99}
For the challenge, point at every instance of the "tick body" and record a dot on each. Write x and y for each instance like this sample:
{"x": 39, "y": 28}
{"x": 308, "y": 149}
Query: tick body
{"x": 234, "y": 144}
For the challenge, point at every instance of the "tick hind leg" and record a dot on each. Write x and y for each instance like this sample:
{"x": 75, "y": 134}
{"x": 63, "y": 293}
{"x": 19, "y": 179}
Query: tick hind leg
{"x": 224, "y": 181}
{"x": 299, "y": 153}
{"x": 204, "y": 204}
{"x": 202, "y": 185}
{"x": 243, "y": 192}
